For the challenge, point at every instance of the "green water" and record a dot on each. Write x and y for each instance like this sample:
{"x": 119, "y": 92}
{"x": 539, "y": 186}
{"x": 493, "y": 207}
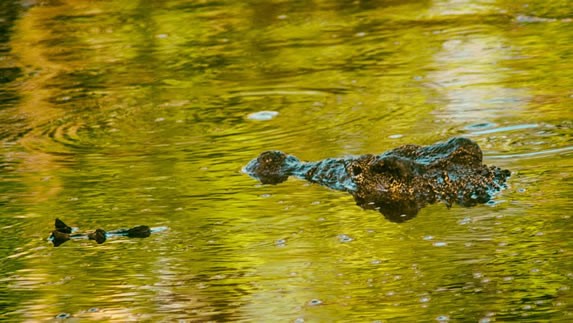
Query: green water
{"x": 118, "y": 113}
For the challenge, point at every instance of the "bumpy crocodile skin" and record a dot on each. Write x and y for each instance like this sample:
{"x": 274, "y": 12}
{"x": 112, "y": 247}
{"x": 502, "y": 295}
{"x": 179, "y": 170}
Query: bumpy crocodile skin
{"x": 398, "y": 182}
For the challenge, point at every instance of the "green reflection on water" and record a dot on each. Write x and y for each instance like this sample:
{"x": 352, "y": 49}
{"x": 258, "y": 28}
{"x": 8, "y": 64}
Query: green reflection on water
{"x": 118, "y": 113}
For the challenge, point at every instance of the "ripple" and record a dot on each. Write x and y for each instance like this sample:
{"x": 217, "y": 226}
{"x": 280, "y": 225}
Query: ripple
{"x": 535, "y": 154}
{"x": 534, "y": 19}
{"x": 262, "y": 115}
{"x": 67, "y": 134}
{"x": 344, "y": 238}
{"x": 60, "y": 137}
{"x": 481, "y": 125}
{"x": 280, "y": 243}
{"x": 13, "y": 128}
{"x": 63, "y": 316}
{"x": 503, "y": 129}
{"x": 288, "y": 92}
{"x": 465, "y": 220}
{"x": 314, "y": 302}
{"x": 493, "y": 203}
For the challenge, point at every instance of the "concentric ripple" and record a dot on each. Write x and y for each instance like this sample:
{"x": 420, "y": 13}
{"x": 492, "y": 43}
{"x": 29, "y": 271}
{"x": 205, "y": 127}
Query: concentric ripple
{"x": 62, "y": 137}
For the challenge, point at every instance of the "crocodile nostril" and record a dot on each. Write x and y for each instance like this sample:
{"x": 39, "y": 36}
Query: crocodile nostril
{"x": 356, "y": 170}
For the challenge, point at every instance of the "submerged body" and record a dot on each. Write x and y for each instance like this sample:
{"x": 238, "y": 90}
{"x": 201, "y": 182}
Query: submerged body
{"x": 398, "y": 182}
{"x": 63, "y": 233}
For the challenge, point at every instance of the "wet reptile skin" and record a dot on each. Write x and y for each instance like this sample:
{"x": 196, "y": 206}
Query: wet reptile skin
{"x": 398, "y": 182}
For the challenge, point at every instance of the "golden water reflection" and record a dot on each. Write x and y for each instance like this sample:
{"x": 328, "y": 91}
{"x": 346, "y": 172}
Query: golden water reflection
{"x": 130, "y": 113}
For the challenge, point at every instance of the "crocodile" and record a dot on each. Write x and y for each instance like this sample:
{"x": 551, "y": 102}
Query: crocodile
{"x": 398, "y": 182}
{"x": 63, "y": 233}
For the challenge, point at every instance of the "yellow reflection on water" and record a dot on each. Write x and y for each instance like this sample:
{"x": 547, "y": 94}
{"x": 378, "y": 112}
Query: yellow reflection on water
{"x": 138, "y": 113}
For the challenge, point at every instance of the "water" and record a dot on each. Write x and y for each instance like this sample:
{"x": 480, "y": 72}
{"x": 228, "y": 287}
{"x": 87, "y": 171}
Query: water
{"x": 120, "y": 113}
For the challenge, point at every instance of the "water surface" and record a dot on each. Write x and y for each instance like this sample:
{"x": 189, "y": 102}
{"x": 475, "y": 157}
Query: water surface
{"x": 118, "y": 113}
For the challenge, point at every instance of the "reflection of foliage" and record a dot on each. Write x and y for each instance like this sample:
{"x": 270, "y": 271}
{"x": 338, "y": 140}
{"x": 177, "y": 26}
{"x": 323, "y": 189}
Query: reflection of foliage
{"x": 541, "y": 9}
{"x": 134, "y": 112}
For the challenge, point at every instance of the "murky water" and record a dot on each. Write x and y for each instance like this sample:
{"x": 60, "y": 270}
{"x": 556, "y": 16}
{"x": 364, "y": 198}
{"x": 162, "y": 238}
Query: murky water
{"x": 118, "y": 113}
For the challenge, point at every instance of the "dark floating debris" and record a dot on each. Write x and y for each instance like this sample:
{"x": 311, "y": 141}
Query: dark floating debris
{"x": 99, "y": 235}
{"x": 141, "y": 231}
{"x": 399, "y": 182}
{"x": 62, "y": 227}
{"x": 63, "y": 233}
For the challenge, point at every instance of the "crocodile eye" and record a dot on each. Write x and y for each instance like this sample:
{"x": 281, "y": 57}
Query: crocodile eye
{"x": 379, "y": 167}
{"x": 356, "y": 170}
{"x": 396, "y": 167}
